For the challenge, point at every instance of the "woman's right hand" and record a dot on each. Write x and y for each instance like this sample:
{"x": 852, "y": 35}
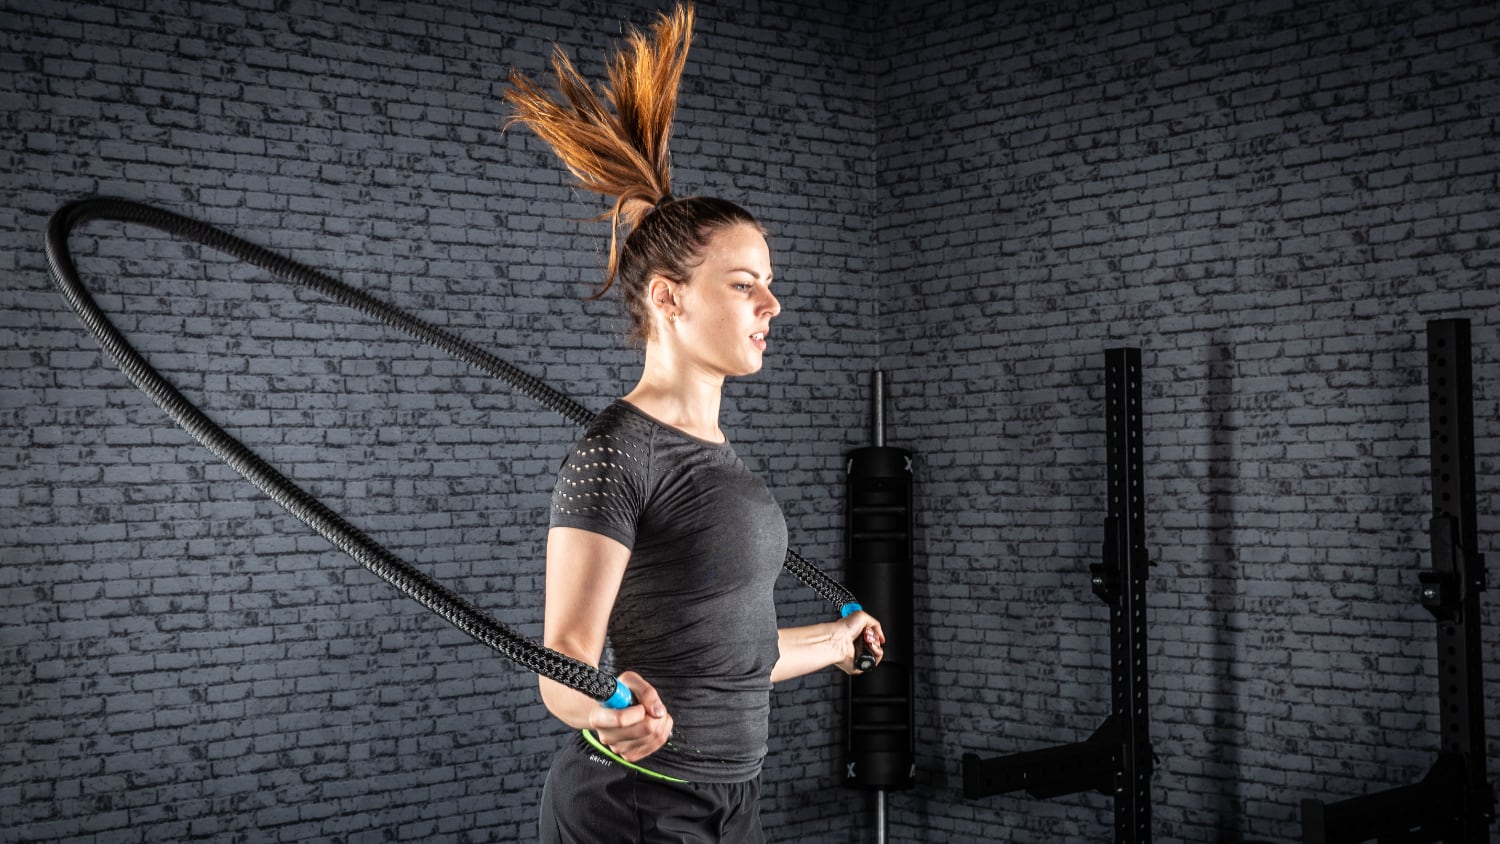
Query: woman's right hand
{"x": 638, "y": 730}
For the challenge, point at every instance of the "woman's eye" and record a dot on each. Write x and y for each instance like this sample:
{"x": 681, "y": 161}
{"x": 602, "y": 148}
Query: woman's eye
{"x": 742, "y": 287}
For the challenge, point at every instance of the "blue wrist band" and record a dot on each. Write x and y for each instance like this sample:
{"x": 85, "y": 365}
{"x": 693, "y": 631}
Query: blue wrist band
{"x": 849, "y": 608}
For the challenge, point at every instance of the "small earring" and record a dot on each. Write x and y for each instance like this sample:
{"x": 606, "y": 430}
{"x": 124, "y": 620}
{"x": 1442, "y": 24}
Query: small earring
{"x": 672, "y": 319}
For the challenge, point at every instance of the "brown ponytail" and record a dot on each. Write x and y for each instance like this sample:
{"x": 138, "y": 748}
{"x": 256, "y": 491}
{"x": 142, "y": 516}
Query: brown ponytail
{"x": 621, "y": 150}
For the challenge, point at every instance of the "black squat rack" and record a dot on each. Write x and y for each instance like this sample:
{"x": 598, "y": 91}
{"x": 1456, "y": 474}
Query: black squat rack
{"x": 1455, "y": 802}
{"x": 1117, "y": 758}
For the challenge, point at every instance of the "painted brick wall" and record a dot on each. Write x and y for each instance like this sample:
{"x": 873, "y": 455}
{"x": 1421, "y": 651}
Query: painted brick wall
{"x": 183, "y": 660}
{"x": 1270, "y": 199}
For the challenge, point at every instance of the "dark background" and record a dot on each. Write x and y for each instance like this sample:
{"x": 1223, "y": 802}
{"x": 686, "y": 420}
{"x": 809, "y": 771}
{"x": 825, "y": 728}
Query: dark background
{"x": 1270, "y": 199}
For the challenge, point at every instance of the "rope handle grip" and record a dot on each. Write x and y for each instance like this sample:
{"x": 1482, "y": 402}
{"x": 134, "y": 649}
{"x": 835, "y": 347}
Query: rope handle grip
{"x": 621, "y": 699}
{"x": 863, "y": 659}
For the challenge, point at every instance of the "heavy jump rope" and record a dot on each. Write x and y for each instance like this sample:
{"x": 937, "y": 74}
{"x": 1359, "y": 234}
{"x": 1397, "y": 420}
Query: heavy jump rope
{"x": 525, "y": 652}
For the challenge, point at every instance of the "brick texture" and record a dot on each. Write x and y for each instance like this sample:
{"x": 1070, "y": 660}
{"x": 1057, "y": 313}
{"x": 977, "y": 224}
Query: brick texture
{"x": 1269, "y": 198}
{"x": 182, "y": 659}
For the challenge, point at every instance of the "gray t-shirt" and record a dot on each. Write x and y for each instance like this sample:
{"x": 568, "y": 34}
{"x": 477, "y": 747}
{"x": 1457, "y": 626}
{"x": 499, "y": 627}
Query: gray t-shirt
{"x": 694, "y": 615}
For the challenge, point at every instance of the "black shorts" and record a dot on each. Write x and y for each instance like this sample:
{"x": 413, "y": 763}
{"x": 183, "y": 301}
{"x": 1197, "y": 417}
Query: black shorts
{"x": 589, "y": 799}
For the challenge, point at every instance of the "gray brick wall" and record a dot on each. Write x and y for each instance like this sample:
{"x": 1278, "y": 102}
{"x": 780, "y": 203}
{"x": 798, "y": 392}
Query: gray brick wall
{"x": 1269, "y": 198}
{"x": 181, "y": 659}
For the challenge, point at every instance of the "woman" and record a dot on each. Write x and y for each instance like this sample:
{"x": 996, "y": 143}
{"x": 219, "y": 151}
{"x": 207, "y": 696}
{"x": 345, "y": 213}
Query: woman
{"x": 661, "y": 541}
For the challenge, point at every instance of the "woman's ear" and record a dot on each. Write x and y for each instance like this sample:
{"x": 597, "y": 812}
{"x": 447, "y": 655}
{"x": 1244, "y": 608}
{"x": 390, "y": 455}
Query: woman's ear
{"x": 662, "y": 296}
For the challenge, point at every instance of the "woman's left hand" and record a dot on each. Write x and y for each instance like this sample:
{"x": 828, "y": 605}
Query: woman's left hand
{"x": 814, "y": 647}
{"x": 855, "y": 629}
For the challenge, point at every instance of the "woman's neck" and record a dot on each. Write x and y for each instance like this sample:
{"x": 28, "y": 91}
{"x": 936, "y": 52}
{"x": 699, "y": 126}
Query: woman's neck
{"x": 685, "y": 399}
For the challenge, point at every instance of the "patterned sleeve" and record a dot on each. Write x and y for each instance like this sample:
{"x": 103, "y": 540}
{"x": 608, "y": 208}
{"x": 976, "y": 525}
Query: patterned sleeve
{"x": 601, "y": 487}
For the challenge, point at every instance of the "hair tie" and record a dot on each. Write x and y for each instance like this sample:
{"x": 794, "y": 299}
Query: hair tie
{"x": 666, "y": 198}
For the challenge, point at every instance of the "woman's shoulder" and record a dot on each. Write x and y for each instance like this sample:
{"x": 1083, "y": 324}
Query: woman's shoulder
{"x": 616, "y": 434}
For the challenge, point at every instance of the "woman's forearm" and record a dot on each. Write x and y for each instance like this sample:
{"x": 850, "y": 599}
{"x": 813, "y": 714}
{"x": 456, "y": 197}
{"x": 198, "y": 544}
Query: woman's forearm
{"x": 817, "y": 646}
{"x": 567, "y": 705}
{"x": 808, "y": 649}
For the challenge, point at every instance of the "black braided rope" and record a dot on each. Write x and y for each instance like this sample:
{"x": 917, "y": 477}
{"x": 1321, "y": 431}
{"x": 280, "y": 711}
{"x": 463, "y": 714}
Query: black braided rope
{"x": 352, "y": 541}
{"x": 374, "y": 556}
{"x": 827, "y": 588}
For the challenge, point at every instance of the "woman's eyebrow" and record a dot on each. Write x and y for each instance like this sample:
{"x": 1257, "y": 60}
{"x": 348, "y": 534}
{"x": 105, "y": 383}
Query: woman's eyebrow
{"x": 752, "y": 273}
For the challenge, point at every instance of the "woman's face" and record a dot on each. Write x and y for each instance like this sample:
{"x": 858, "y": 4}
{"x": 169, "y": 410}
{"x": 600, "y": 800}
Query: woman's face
{"x": 724, "y": 312}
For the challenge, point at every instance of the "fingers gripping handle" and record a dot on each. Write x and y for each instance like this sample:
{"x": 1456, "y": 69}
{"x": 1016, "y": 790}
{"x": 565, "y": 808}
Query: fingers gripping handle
{"x": 863, "y": 659}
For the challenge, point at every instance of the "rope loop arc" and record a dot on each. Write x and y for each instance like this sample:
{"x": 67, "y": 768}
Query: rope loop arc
{"x": 525, "y": 652}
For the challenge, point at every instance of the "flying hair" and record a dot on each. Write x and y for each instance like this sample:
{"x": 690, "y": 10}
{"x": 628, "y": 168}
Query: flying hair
{"x": 615, "y": 141}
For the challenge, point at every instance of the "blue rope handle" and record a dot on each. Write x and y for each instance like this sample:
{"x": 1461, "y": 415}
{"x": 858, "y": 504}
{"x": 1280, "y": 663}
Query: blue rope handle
{"x": 621, "y": 698}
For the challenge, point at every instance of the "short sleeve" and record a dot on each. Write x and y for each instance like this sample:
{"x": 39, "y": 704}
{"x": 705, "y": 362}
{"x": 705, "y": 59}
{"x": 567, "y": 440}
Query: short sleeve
{"x": 601, "y": 487}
